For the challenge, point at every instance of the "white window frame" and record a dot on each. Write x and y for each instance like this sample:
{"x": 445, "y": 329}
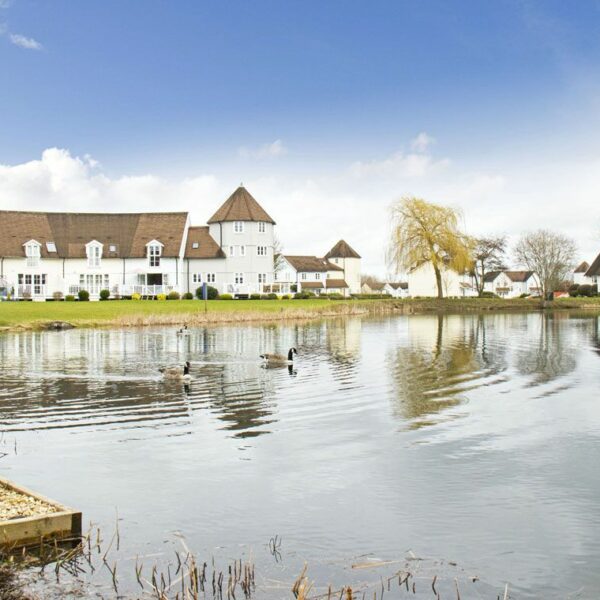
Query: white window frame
{"x": 238, "y": 278}
{"x": 238, "y": 227}
{"x": 93, "y": 251}
{"x": 262, "y": 250}
{"x": 211, "y": 278}
{"x": 33, "y": 252}
{"x": 262, "y": 227}
{"x": 231, "y": 250}
{"x": 303, "y": 276}
{"x": 317, "y": 275}
{"x": 196, "y": 277}
{"x": 154, "y": 252}
{"x": 262, "y": 278}
{"x": 242, "y": 250}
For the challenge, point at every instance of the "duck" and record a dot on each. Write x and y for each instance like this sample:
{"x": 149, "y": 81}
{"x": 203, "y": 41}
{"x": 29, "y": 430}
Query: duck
{"x": 183, "y": 331}
{"x": 279, "y": 359}
{"x": 177, "y": 372}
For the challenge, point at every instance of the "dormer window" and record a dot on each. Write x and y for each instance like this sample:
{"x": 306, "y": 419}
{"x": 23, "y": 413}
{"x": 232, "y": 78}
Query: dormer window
{"x": 33, "y": 253}
{"x": 93, "y": 251}
{"x": 238, "y": 226}
{"x": 154, "y": 253}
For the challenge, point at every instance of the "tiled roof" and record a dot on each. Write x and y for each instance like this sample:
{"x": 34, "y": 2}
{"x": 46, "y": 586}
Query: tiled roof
{"x": 491, "y": 276}
{"x": 241, "y": 206}
{"x": 335, "y": 283}
{"x": 403, "y": 285}
{"x": 594, "y": 269}
{"x": 311, "y": 264}
{"x": 127, "y": 232}
{"x": 518, "y": 276}
{"x": 342, "y": 250}
{"x": 313, "y": 285}
{"x": 207, "y": 247}
{"x": 582, "y": 268}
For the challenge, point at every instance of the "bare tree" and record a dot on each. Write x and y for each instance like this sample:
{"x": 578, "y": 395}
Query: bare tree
{"x": 368, "y": 279}
{"x": 550, "y": 255}
{"x": 488, "y": 255}
{"x": 278, "y": 259}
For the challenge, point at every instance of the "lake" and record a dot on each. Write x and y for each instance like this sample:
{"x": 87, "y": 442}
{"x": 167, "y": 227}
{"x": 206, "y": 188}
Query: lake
{"x": 470, "y": 442}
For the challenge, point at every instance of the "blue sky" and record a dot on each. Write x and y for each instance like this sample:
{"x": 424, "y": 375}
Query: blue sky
{"x": 316, "y": 106}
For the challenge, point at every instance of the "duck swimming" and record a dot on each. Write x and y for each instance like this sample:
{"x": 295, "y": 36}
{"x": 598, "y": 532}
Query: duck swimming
{"x": 182, "y": 373}
{"x": 183, "y": 331}
{"x": 279, "y": 359}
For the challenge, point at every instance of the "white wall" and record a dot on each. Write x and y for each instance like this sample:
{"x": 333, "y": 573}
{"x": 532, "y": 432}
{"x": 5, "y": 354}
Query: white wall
{"x": 421, "y": 282}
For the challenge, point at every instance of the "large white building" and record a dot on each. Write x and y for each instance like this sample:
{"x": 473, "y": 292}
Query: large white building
{"x": 422, "y": 282}
{"x": 45, "y": 254}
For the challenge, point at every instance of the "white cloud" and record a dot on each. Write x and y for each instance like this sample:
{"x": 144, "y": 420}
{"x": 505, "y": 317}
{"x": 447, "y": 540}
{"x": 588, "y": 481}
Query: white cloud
{"x": 422, "y": 142}
{"x": 398, "y": 165}
{"x": 24, "y": 42}
{"x": 272, "y": 150}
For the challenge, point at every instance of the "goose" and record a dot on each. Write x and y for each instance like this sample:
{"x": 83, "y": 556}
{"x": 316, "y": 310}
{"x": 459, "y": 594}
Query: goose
{"x": 279, "y": 359}
{"x": 183, "y": 331}
{"x": 177, "y": 372}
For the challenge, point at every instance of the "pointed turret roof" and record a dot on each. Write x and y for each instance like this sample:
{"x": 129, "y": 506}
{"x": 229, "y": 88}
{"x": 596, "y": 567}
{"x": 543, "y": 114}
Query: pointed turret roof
{"x": 241, "y": 206}
{"x": 342, "y": 250}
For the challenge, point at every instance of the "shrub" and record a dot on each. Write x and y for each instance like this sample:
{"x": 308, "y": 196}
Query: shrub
{"x": 104, "y": 294}
{"x": 173, "y": 295}
{"x": 335, "y": 296}
{"x": 584, "y": 290}
{"x": 211, "y": 292}
{"x": 524, "y": 295}
{"x": 57, "y": 296}
{"x": 83, "y": 295}
{"x": 286, "y": 297}
{"x": 161, "y": 297}
{"x": 255, "y": 296}
{"x": 70, "y": 298}
{"x": 188, "y": 296}
{"x": 293, "y": 288}
{"x": 225, "y": 297}
{"x": 272, "y": 296}
{"x": 136, "y": 296}
{"x": 264, "y": 297}
{"x": 594, "y": 290}
{"x": 488, "y": 295}
{"x": 303, "y": 295}
{"x": 371, "y": 296}
{"x": 574, "y": 290}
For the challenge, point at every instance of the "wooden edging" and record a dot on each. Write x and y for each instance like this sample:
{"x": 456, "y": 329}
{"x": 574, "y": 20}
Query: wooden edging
{"x": 16, "y": 533}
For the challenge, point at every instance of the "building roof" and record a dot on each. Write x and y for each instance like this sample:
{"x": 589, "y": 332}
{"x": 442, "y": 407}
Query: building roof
{"x": 375, "y": 285}
{"x": 313, "y": 285}
{"x": 311, "y": 264}
{"x": 491, "y": 276}
{"x": 129, "y": 233}
{"x": 582, "y": 268}
{"x": 342, "y": 250}
{"x": 336, "y": 283}
{"x": 240, "y": 206}
{"x": 403, "y": 285}
{"x": 594, "y": 269}
{"x": 207, "y": 247}
{"x": 518, "y": 276}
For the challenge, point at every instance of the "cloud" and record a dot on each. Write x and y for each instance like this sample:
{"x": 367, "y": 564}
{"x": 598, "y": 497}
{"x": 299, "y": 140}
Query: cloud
{"x": 398, "y": 165}
{"x": 24, "y": 42}
{"x": 422, "y": 142}
{"x": 272, "y": 150}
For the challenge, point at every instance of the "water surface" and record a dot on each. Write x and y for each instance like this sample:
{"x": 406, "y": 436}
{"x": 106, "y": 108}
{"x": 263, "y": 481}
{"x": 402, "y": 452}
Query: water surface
{"x": 470, "y": 439}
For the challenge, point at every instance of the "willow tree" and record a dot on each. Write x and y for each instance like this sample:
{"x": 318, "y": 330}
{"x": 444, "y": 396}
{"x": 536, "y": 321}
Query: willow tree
{"x": 423, "y": 232}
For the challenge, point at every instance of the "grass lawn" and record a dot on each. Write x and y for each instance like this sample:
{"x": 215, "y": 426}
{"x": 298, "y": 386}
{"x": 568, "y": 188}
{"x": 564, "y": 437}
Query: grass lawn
{"x": 96, "y": 313}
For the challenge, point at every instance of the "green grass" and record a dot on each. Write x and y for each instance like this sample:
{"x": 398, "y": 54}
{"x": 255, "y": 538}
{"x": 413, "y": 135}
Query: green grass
{"x": 25, "y": 314}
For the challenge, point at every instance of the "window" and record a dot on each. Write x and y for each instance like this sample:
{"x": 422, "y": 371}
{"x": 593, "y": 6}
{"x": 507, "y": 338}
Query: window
{"x": 261, "y": 250}
{"x": 262, "y": 278}
{"x": 94, "y": 254}
{"x": 336, "y": 260}
{"x": 211, "y": 277}
{"x": 239, "y": 278}
{"x": 112, "y": 248}
{"x": 317, "y": 275}
{"x": 51, "y": 246}
{"x": 238, "y": 226}
{"x": 33, "y": 253}
{"x": 154, "y": 252}
{"x": 242, "y": 250}
{"x": 231, "y": 250}
{"x": 94, "y": 282}
{"x": 32, "y": 285}
{"x": 262, "y": 227}
{"x": 195, "y": 245}
{"x": 197, "y": 278}
{"x": 303, "y": 275}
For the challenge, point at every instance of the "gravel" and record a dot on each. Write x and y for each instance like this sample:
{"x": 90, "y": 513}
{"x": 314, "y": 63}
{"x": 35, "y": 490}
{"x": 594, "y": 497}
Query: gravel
{"x": 15, "y": 505}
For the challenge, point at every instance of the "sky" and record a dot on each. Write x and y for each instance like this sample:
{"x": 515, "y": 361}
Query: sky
{"x": 327, "y": 111}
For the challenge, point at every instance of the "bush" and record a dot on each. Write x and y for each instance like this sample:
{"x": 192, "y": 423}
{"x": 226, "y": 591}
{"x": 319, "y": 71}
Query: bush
{"x": 286, "y": 297}
{"x": 225, "y": 297}
{"x": 371, "y": 296}
{"x": 584, "y": 290}
{"x": 594, "y": 290}
{"x": 303, "y": 295}
{"x": 188, "y": 296}
{"x": 211, "y": 292}
{"x": 264, "y": 297}
{"x": 57, "y": 296}
{"x": 136, "y": 296}
{"x": 104, "y": 294}
{"x": 293, "y": 288}
{"x": 574, "y": 290}
{"x": 161, "y": 297}
{"x": 272, "y": 296}
{"x": 524, "y": 296}
{"x": 70, "y": 298}
{"x": 173, "y": 295}
{"x": 488, "y": 295}
{"x": 255, "y": 296}
{"x": 335, "y": 296}
{"x": 83, "y": 295}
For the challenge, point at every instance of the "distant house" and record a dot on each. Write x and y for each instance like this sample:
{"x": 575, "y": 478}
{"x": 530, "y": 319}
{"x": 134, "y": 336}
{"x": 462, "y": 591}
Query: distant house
{"x": 422, "y": 282}
{"x": 373, "y": 288}
{"x": 310, "y": 274}
{"x": 579, "y": 275}
{"x": 396, "y": 290}
{"x": 593, "y": 273}
{"x": 511, "y": 284}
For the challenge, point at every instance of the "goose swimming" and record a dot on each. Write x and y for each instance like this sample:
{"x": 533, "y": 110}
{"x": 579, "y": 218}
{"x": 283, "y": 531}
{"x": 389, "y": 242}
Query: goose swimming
{"x": 279, "y": 359}
{"x": 182, "y": 373}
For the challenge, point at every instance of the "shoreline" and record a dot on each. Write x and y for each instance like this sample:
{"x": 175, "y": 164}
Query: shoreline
{"x": 142, "y": 313}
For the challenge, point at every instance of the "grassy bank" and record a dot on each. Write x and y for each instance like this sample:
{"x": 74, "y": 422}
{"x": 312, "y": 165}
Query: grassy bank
{"x": 130, "y": 313}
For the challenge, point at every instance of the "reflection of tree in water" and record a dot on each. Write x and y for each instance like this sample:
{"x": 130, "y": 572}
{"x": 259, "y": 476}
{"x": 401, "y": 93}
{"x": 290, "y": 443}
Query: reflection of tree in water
{"x": 431, "y": 379}
{"x": 546, "y": 353}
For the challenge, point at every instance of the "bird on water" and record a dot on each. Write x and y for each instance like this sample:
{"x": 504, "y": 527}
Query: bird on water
{"x": 279, "y": 359}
